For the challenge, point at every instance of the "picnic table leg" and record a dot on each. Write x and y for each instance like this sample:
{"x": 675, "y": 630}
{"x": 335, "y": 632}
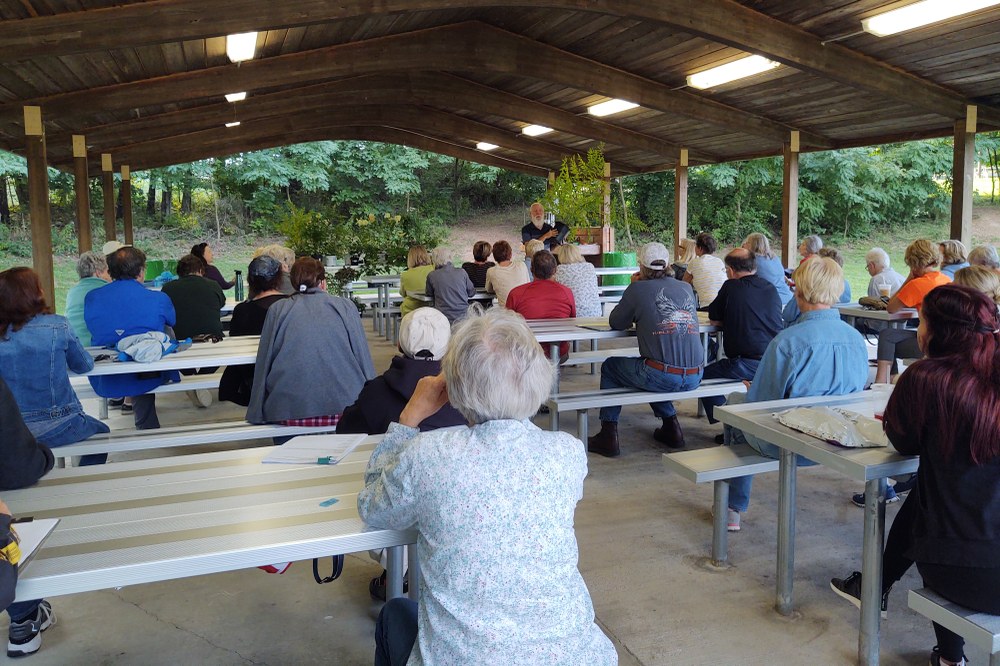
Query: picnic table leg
{"x": 414, "y": 571}
{"x": 582, "y": 431}
{"x": 394, "y": 572}
{"x": 704, "y": 344}
{"x": 871, "y": 572}
{"x": 103, "y": 409}
{"x": 720, "y": 523}
{"x": 593, "y": 366}
{"x": 786, "y": 532}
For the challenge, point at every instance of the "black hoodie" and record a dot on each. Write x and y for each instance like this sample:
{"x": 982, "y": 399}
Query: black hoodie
{"x": 23, "y": 461}
{"x": 382, "y": 399}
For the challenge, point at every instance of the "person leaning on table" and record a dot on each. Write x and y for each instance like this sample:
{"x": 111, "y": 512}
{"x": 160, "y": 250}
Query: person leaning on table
{"x": 671, "y": 354}
{"x": 493, "y": 504}
{"x": 946, "y": 409}
{"x": 817, "y": 355}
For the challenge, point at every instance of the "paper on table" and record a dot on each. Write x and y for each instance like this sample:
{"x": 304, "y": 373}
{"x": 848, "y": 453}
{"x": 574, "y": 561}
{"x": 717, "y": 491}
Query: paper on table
{"x": 31, "y": 535}
{"x": 314, "y": 449}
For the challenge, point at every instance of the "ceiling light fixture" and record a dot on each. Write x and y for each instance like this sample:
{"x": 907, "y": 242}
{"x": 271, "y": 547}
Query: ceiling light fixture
{"x": 920, "y": 14}
{"x": 235, "y": 123}
{"x": 535, "y": 130}
{"x": 236, "y": 97}
{"x": 610, "y": 107}
{"x": 482, "y": 145}
{"x": 241, "y": 46}
{"x": 731, "y": 71}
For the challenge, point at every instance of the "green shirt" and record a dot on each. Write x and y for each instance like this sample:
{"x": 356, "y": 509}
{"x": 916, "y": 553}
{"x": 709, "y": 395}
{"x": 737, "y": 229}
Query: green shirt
{"x": 197, "y": 301}
{"x": 74, "y": 306}
{"x": 410, "y": 281}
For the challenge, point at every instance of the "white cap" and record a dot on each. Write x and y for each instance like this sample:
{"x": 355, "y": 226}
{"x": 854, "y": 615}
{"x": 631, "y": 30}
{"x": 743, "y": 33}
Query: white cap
{"x": 654, "y": 256}
{"x": 111, "y": 246}
{"x": 424, "y": 330}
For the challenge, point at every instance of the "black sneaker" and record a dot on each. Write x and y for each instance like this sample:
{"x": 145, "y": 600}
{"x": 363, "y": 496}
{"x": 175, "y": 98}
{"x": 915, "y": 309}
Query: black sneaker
{"x": 850, "y": 588}
{"x": 936, "y": 658}
{"x": 25, "y": 637}
{"x": 377, "y": 586}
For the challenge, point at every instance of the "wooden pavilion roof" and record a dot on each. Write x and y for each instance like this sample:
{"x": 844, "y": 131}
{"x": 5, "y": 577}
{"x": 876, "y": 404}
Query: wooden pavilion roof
{"x": 144, "y": 79}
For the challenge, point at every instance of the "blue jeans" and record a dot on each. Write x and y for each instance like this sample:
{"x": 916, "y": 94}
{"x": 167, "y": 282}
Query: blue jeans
{"x": 22, "y": 610}
{"x": 76, "y": 430}
{"x": 620, "y": 372}
{"x": 395, "y": 632}
{"x": 739, "y": 487}
{"x": 727, "y": 368}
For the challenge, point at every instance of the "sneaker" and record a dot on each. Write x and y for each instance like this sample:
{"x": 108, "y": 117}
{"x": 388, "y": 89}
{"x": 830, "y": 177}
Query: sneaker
{"x": 733, "y": 522}
{"x": 850, "y": 588}
{"x": 116, "y": 402}
{"x": 25, "y": 637}
{"x": 890, "y": 497}
{"x": 377, "y": 586}
{"x": 127, "y": 408}
{"x": 200, "y": 398}
{"x": 936, "y": 658}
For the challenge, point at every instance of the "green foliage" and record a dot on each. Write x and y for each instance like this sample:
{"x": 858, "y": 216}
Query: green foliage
{"x": 381, "y": 242}
{"x": 308, "y": 232}
{"x": 577, "y": 195}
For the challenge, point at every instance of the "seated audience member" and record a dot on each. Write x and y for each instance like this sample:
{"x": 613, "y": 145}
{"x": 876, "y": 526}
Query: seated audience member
{"x": 530, "y": 248}
{"x": 456, "y": 487}
{"x": 287, "y": 257}
{"x": 197, "y": 300}
{"x": 37, "y": 352}
{"x": 791, "y": 310}
{"x": 263, "y": 277}
{"x": 953, "y": 257}
{"x": 685, "y": 255}
{"x": 706, "y": 272}
{"x": 450, "y": 287}
{"x": 883, "y": 277}
{"x": 768, "y": 265}
{"x": 92, "y": 268}
{"x": 123, "y": 308}
{"x": 948, "y": 524}
{"x": 581, "y": 278}
{"x": 423, "y": 340}
{"x": 818, "y": 355}
{"x": 23, "y": 462}
{"x": 985, "y": 255}
{"x": 477, "y": 268}
{"x": 536, "y": 229}
{"x": 414, "y": 278}
{"x": 922, "y": 257}
{"x": 204, "y": 252}
{"x": 981, "y": 279}
{"x": 671, "y": 354}
{"x": 749, "y": 311}
{"x": 313, "y": 358}
{"x": 507, "y": 274}
{"x": 544, "y": 298}
{"x": 810, "y": 247}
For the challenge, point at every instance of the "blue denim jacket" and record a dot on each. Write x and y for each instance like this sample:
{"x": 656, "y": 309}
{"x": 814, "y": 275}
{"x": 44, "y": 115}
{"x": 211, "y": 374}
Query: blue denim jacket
{"x": 35, "y": 362}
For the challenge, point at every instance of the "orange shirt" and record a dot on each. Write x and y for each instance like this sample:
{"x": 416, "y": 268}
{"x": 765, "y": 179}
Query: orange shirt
{"x": 913, "y": 292}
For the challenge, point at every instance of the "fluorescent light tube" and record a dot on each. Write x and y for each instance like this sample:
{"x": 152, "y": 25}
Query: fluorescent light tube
{"x": 731, "y": 71}
{"x": 235, "y": 123}
{"x": 241, "y": 46}
{"x": 535, "y": 130}
{"x": 920, "y": 14}
{"x": 482, "y": 145}
{"x": 236, "y": 97}
{"x": 610, "y": 107}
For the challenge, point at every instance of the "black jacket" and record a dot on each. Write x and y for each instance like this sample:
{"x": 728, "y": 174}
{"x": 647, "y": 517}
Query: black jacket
{"x": 382, "y": 399}
{"x": 23, "y": 461}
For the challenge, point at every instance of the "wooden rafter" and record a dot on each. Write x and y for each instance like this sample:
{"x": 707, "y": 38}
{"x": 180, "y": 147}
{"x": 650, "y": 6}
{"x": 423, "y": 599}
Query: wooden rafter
{"x": 472, "y": 47}
{"x": 724, "y": 21}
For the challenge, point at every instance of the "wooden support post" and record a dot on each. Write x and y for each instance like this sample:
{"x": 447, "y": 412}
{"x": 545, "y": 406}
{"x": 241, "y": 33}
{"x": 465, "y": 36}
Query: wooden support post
{"x": 606, "y": 196}
{"x": 790, "y": 200}
{"x": 127, "y": 204}
{"x": 551, "y": 181}
{"x": 81, "y": 185}
{"x": 108, "y": 180}
{"x": 963, "y": 171}
{"x": 38, "y": 197}
{"x": 681, "y": 199}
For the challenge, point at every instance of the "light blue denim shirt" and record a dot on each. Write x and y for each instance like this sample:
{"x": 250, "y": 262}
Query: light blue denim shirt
{"x": 773, "y": 271}
{"x": 35, "y": 362}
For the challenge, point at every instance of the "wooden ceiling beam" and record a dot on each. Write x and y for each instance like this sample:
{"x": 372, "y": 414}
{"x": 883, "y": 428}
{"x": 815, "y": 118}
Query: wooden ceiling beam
{"x": 723, "y": 21}
{"x": 472, "y": 47}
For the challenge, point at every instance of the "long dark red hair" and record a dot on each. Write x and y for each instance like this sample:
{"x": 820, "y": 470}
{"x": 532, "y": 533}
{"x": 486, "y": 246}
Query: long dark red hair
{"x": 959, "y": 381}
{"x": 20, "y": 298}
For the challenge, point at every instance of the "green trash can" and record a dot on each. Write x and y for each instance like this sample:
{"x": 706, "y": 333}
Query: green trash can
{"x": 153, "y": 269}
{"x": 614, "y": 260}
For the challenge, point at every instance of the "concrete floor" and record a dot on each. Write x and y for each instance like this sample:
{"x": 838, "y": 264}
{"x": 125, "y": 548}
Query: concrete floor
{"x": 644, "y": 535}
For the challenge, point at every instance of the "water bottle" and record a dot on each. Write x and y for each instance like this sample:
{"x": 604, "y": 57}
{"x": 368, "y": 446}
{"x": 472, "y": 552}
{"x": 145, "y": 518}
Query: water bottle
{"x": 239, "y": 286}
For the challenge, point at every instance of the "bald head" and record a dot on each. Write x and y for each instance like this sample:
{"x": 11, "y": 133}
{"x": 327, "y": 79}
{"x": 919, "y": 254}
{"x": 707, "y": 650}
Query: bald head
{"x": 741, "y": 262}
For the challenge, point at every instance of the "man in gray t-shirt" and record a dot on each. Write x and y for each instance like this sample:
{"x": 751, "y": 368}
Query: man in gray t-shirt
{"x": 672, "y": 358}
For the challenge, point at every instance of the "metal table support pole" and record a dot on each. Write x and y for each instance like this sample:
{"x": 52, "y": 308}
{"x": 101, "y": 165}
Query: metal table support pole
{"x": 554, "y": 357}
{"x": 394, "y": 572}
{"x": 871, "y": 565}
{"x": 720, "y": 523}
{"x": 786, "y": 532}
{"x": 413, "y": 572}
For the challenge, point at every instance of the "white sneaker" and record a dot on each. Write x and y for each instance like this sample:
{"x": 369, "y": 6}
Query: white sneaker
{"x": 200, "y": 398}
{"x": 733, "y": 523}
{"x": 24, "y": 638}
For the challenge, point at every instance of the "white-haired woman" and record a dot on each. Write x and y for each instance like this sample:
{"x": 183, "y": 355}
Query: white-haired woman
{"x": 768, "y": 265}
{"x": 581, "y": 278}
{"x": 488, "y": 558}
{"x": 449, "y": 286}
{"x": 92, "y": 267}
